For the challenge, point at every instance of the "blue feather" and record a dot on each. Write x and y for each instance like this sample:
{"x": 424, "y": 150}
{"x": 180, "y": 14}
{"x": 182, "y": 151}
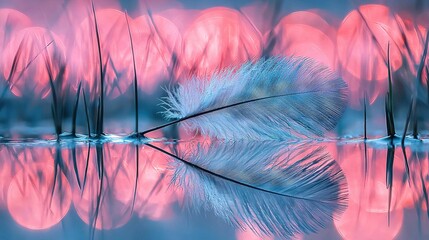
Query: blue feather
{"x": 276, "y": 98}
{"x": 271, "y": 187}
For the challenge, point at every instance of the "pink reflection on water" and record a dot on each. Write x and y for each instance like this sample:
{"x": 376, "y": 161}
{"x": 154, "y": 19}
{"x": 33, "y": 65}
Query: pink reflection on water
{"x": 358, "y": 224}
{"x": 249, "y": 235}
{"x": 105, "y": 198}
{"x": 6, "y": 174}
{"x": 38, "y": 195}
{"x": 14, "y": 160}
{"x": 367, "y": 181}
{"x": 31, "y": 173}
{"x": 155, "y": 196}
{"x": 419, "y": 180}
{"x": 108, "y": 202}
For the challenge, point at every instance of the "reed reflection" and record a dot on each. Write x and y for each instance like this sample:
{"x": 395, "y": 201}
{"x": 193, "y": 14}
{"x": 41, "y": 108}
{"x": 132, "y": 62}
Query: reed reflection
{"x": 366, "y": 171}
{"x": 38, "y": 194}
{"x": 109, "y": 182}
{"x": 264, "y": 188}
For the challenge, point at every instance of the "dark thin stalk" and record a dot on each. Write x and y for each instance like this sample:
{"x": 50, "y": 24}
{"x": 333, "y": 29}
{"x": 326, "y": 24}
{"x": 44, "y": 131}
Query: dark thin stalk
{"x": 421, "y": 65}
{"x": 97, "y": 209}
{"x": 389, "y": 165}
{"x": 100, "y": 160}
{"x": 76, "y": 104}
{"x": 88, "y": 154}
{"x": 365, "y": 163}
{"x": 415, "y": 121}
{"x": 390, "y": 129}
{"x": 56, "y": 101}
{"x": 136, "y": 102}
{"x": 407, "y": 167}
{"x": 97, "y": 123}
{"x": 55, "y": 114}
{"x": 54, "y": 105}
{"x": 152, "y": 21}
{"x": 75, "y": 168}
{"x": 63, "y": 104}
{"x": 55, "y": 181}
{"x": 389, "y": 206}
{"x": 12, "y": 71}
{"x": 390, "y": 122}
{"x": 100, "y": 59}
{"x": 404, "y": 38}
{"x": 425, "y": 194}
{"x": 28, "y": 64}
{"x": 389, "y": 71}
{"x": 86, "y": 112}
{"x": 118, "y": 75}
{"x": 220, "y": 108}
{"x": 14, "y": 67}
{"x": 407, "y": 122}
{"x": 100, "y": 107}
{"x": 386, "y": 110}
{"x": 137, "y": 177}
{"x": 427, "y": 82}
{"x": 374, "y": 39}
{"x": 55, "y": 119}
{"x": 415, "y": 126}
{"x": 58, "y": 162}
{"x": 423, "y": 184}
{"x": 417, "y": 83}
{"x": 15, "y": 62}
{"x": 364, "y": 117}
{"x": 389, "y": 174}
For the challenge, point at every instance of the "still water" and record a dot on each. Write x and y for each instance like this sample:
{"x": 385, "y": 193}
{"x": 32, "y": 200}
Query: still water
{"x": 225, "y": 190}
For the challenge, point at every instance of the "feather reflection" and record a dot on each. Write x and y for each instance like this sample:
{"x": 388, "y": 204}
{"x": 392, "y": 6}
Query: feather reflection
{"x": 273, "y": 188}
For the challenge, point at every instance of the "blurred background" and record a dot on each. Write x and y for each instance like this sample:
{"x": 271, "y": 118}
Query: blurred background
{"x": 60, "y": 61}
{"x": 174, "y": 41}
